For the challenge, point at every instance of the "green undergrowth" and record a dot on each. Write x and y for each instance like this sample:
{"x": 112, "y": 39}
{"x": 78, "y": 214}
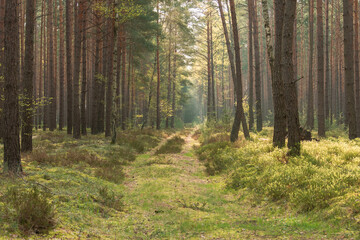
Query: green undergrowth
{"x": 71, "y": 189}
{"x": 323, "y": 182}
{"x": 172, "y": 145}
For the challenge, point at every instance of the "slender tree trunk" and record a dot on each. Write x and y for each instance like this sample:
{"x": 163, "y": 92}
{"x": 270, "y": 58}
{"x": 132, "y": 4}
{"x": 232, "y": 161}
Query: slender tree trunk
{"x": 257, "y": 71}
{"x": 12, "y": 158}
{"x": 118, "y": 76}
{"x": 310, "y": 107}
{"x": 213, "y": 102}
{"x": 288, "y": 69}
{"x": 2, "y": 59}
{"x": 46, "y": 76}
{"x": 84, "y": 70}
{"x": 28, "y": 77}
{"x": 52, "y": 81}
{"x": 357, "y": 73}
{"x": 123, "y": 82}
{"x": 327, "y": 59}
{"x": 349, "y": 64}
{"x": 69, "y": 68}
{"x": 128, "y": 86}
{"x": 320, "y": 71}
{"x": 275, "y": 65}
{"x": 169, "y": 76}
{"x": 158, "y": 117}
{"x": 110, "y": 67}
{"x": 251, "y": 66}
{"x": 97, "y": 79}
{"x": 77, "y": 55}
{"x": 172, "y": 124}
{"x": 239, "y": 115}
{"x": 61, "y": 67}
{"x": 209, "y": 82}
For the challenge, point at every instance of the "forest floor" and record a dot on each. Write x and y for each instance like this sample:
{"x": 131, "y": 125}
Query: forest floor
{"x": 164, "y": 196}
{"x": 171, "y": 197}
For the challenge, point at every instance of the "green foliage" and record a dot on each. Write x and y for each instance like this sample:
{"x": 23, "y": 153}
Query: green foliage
{"x": 30, "y": 208}
{"x": 324, "y": 178}
{"x": 216, "y": 156}
{"x": 173, "y": 145}
{"x": 108, "y": 198}
{"x": 139, "y": 141}
{"x": 124, "y": 11}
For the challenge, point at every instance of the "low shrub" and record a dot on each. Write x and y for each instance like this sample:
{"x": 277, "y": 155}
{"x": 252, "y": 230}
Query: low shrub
{"x": 42, "y": 157}
{"x": 140, "y": 141}
{"x": 173, "y": 145}
{"x": 110, "y": 172}
{"x": 109, "y": 199}
{"x": 31, "y": 209}
{"x": 216, "y": 156}
{"x": 325, "y": 172}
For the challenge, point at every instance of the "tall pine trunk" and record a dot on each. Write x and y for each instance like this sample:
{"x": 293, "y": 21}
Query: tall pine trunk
{"x": 349, "y": 67}
{"x": 69, "y": 67}
{"x": 239, "y": 115}
{"x": 110, "y": 67}
{"x": 310, "y": 103}
{"x": 320, "y": 71}
{"x": 28, "y": 77}
{"x": 61, "y": 67}
{"x": 357, "y": 71}
{"x": 12, "y": 159}
{"x": 77, "y": 55}
{"x": 275, "y": 65}
{"x": 257, "y": 71}
{"x": 158, "y": 117}
{"x": 287, "y": 70}
{"x": 84, "y": 69}
{"x": 51, "y": 78}
{"x": 251, "y": 66}
{"x": 2, "y": 36}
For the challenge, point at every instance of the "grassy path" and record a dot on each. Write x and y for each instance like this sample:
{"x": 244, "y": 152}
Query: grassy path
{"x": 170, "y": 197}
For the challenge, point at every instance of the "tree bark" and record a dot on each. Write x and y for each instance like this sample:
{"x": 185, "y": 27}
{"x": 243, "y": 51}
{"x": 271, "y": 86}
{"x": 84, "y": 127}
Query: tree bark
{"x": 12, "y": 158}
{"x": 69, "y": 67}
{"x": 84, "y": 70}
{"x": 2, "y": 59}
{"x": 257, "y": 71}
{"x": 172, "y": 123}
{"x": 327, "y": 71}
{"x": 110, "y": 67}
{"x": 310, "y": 103}
{"x": 52, "y": 81}
{"x": 61, "y": 67}
{"x": 123, "y": 82}
{"x": 320, "y": 71}
{"x": 158, "y": 117}
{"x": 357, "y": 72}
{"x": 349, "y": 67}
{"x": 287, "y": 70}
{"x": 97, "y": 79}
{"x": 77, "y": 55}
{"x": 169, "y": 76}
{"x": 275, "y": 65}
{"x": 209, "y": 82}
{"x": 239, "y": 115}
{"x": 28, "y": 77}
{"x": 251, "y": 66}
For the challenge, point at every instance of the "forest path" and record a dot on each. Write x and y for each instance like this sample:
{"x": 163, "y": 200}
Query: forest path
{"x": 171, "y": 197}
